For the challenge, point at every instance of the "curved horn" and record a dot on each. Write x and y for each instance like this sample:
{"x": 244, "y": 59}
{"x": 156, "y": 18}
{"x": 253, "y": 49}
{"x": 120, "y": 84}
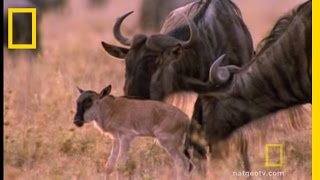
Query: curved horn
{"x": 117, "y": 33}
{"x": 214, "y": 69}
{"x": 233, "y": 68}
{"x": 220, "y": 75}
{"x": 193, "y": 32}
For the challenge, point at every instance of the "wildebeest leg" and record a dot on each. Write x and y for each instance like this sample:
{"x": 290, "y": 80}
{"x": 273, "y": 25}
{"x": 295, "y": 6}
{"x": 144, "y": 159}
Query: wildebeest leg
{"x": 197, "y": 141}
{"x": 200, "y": 159}
{"x": 113, "y": 156}
{"x": 181, "y": 162}
{"x": 123, "y": 154}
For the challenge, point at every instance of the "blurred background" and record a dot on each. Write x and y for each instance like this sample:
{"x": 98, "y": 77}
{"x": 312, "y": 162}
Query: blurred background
{"x": 41, "y": 141}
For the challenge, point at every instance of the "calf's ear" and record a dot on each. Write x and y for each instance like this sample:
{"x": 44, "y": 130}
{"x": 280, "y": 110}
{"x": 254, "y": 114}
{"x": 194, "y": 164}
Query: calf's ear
{"x": 80, "y": 90}
{"x": 106, "y": 91}
{"x": 115, "y": 51}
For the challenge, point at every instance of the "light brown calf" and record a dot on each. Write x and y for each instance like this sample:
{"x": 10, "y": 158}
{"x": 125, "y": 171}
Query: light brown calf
{"x": 124, "y": 119}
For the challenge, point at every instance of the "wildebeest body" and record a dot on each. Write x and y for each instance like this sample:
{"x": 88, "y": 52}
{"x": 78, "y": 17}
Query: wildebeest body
{"x": 279, "y": 77}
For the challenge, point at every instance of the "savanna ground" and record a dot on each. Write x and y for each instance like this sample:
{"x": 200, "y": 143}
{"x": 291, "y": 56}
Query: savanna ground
{"x": 40, "y": 139}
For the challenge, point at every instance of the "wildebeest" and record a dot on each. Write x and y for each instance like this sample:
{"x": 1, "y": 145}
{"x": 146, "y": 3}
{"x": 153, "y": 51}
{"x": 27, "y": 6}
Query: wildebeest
{"x": 188, "y": 49}
{"x": 124, "y": 119}
{"x": 278, "y": 77}
{"x": 96, "y": 3}
{"x": 50, "y": 4}
{"x": 154, "y": 12}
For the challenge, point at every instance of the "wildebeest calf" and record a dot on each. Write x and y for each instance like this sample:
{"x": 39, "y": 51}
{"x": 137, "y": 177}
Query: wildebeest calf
{"x": 124, "y": 119}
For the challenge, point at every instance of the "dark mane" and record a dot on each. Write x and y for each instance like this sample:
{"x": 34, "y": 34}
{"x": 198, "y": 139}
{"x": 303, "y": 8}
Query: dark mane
{"x": 279, "y": 28}
{"x": 219, "y": 4}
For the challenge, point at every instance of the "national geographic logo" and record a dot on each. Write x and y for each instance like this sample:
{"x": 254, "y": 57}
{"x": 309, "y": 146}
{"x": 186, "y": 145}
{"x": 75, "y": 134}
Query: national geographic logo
{"x": 33, "y": 12}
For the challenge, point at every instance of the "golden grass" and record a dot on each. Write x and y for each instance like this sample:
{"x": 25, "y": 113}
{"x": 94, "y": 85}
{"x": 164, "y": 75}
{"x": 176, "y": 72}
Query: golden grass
{"x": 41, "y": 141}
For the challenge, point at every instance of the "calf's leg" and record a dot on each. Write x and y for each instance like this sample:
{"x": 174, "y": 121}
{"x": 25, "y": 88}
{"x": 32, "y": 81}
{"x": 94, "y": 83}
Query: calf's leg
{"x": 113, "y": 156}
{"x": 123, "y": 152}
{"x": 181, "y": 162}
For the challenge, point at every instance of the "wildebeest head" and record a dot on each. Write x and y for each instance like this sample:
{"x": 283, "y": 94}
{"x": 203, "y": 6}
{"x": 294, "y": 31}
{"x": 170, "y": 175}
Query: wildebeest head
{"x": 85, "y": 101}
{"x": 147, "y": 56}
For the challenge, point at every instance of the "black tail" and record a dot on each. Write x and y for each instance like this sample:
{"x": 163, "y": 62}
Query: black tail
{"x": 186, "y": 152}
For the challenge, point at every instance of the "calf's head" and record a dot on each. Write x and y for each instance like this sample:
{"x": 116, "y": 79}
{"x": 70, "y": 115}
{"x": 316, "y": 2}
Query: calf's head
{"x": 85, "y": 102}
{"x": 147, "y": 57}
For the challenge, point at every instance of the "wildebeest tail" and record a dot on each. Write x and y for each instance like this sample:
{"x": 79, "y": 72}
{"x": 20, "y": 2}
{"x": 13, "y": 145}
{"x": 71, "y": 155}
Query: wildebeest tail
{"x": 186, "y": 148}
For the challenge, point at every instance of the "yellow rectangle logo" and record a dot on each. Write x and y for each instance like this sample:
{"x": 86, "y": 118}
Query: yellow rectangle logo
{"x": 33, "y": 12}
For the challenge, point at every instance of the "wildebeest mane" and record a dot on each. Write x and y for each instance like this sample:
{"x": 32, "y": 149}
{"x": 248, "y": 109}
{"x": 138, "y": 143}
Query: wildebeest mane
{"x": 279, "y": 28}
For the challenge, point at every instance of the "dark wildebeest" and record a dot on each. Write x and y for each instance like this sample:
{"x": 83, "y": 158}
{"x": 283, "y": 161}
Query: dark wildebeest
{"x": 152, "y": 62}
{"x": 278, "y": 77}
{"x": 96, "y": 3}
{"x": 154, "y": 12}
{"x": 50, "y": 4}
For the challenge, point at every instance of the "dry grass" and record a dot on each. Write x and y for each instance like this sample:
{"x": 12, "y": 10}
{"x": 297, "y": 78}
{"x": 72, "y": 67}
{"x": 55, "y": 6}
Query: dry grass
{"x": 41, "y": 141}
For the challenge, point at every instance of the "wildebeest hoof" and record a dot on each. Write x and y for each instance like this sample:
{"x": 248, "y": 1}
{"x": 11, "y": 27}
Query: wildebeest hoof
{"x": 109, "y": 169}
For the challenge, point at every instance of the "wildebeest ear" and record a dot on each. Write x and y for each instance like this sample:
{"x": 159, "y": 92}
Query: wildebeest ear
{"x": 106, "y": 91}
{"x": 115, "y": 51}
{"x": 176, "y": 51}
{"x": 80, "y": 90}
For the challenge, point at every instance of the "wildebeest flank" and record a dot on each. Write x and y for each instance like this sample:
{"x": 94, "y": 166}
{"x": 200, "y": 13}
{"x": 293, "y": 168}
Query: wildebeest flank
{"x": 124, "y": 119}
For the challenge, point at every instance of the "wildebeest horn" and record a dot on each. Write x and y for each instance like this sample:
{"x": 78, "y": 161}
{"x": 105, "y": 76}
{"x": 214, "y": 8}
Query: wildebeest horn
{"x": 193, "y": 32}
{"x": 117, "y": 33}
{"x": 220, "y": 75}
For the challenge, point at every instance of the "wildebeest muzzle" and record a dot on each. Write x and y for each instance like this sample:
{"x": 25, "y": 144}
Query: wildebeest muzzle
{"x": 78, "y": 119}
